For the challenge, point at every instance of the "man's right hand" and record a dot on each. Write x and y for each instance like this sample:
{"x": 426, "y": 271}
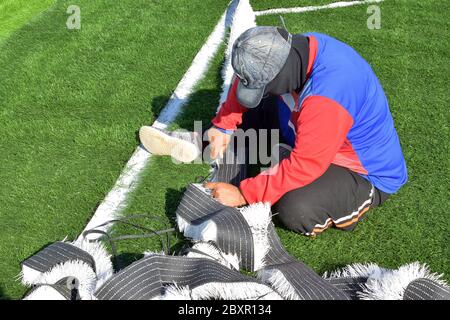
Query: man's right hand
{"x": 218, "y": 142}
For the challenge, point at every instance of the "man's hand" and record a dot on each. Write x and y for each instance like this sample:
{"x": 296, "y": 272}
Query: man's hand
{"x": 218, "y": 142}
{"x": 226, "y": 194}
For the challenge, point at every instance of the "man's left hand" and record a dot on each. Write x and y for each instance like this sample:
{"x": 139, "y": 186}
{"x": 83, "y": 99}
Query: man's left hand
{"x": 226, "y": 194}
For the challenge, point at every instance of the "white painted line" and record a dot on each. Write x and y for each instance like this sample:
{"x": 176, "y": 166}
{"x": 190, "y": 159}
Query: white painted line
{"x": 115, "y": 201}
{"x": 333, "y": 5}
{"x": 243, "y": 19}
{"x": 195, "y": 72}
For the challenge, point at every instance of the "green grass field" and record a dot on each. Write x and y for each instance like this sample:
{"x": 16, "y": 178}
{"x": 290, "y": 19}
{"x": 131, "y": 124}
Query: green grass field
{"x": 72, "y": 101}
{"x": 15, "y": 13}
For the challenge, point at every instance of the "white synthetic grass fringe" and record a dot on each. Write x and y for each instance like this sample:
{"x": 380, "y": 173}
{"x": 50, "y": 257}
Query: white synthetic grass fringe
{"x": 258, "y": 218}
{"x": 234, "y": 291}
{"x": 276, "y": 279}
{"x": 182, "y": 224}
{"x": 152, "y": 253}
{"x": 391, "y": 284}
{"x": 81, "y": 271}
{"x": 102, "y": 259}
{"x": 333, "y": 5}
{"x": 226, "y": 259}
{"x": 385, "y": 284}
{"x": 175, "y": 292}
{"x": 115, "y": 201}
{"x": 356, "y": 270}
{"x": 103, "y": 265}
{"x": 243, "y": 19}
{"x": 223, "y": 291}
{"x": 206, "y": 231}
{"x": 44, "y": 293}
{"x": 28, "y": 276}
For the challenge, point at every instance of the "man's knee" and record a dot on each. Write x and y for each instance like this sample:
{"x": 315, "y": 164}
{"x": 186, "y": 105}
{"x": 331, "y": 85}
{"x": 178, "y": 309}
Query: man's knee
{"x": 298, "y": 212}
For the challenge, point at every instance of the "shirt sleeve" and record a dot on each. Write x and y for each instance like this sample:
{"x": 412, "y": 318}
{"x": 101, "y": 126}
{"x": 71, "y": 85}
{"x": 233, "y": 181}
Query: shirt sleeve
{"x": 231, "y": 111}
{"x": 322, "y": 128}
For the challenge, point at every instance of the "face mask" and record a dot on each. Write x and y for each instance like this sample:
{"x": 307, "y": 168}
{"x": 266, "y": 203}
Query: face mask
{"x": 292, "y": 76}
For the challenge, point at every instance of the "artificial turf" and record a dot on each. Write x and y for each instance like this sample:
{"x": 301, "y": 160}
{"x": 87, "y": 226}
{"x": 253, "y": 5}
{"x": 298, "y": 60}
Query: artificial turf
{"x": 15, "y": 13}
{"x": 72, "y": 101}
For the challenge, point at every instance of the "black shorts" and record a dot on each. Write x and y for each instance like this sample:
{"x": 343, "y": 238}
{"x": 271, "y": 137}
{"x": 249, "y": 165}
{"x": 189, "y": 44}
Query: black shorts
{"x": 339, "y": 198}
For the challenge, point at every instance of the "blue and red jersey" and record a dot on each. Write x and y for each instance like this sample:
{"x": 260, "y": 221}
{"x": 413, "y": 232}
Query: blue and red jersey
{"x": 341, "y": 116}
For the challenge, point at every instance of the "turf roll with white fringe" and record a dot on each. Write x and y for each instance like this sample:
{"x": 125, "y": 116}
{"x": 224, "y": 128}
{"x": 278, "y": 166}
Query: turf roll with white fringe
{"x": 87, "y": 275}
{"x": 387, "y": 284}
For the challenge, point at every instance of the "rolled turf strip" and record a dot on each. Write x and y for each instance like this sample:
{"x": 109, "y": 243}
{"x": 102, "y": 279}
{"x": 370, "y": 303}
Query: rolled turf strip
{"x": 161, "y": 277}
{"x": 49, "y": 257}
{"x": 426, "y": 289}
{"x": 249, "y": 235}
{"x": 207, "y": 273}
{"x": 63, "y": 289}
{"x": 65, "y": 269}
{"x": 202, "y": 218}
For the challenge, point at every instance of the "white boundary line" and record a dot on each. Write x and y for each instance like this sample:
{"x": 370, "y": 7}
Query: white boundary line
{"x": 243, "y": 19}
{"x": 197, "y": 70}
{"x": 115, "y": 201}
{"x": 333, "y": 5}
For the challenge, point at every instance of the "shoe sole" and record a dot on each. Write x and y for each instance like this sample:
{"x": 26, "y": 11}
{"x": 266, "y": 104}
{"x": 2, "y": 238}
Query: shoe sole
{"x": 159, "y": 143}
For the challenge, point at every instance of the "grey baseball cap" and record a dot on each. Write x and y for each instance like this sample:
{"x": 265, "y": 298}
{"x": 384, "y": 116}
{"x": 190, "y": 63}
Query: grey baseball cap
{"x": 257, "y": 57}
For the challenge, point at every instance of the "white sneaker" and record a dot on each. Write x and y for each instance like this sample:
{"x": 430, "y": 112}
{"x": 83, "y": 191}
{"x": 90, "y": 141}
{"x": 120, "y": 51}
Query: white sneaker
{"x": 181, "y": 145}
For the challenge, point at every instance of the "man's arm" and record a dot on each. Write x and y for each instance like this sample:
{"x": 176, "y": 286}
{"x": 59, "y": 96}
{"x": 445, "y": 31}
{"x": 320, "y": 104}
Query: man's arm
{"x": 231, "y": 111}
{"x": 322, "y": 128}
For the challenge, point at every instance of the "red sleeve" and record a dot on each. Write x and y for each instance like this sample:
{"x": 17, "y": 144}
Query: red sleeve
{"x": 322, "y": 127}
{"x": 230, "y": 113}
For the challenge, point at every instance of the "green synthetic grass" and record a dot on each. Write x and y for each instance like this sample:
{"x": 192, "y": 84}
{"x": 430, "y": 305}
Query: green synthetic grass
{"x": 71, "y": 102}
{"x": 16, "y": 13}
{"x": 411, "y": 61}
